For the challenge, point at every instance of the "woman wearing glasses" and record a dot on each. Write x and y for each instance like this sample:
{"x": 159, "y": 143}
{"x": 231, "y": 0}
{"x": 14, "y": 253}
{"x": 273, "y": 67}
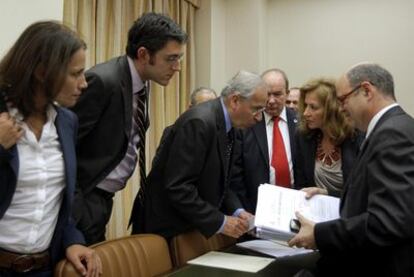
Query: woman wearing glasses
{"x": 327, "y": 143}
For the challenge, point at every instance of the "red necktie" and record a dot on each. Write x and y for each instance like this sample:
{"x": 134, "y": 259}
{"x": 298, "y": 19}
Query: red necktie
{"x": 279, "y": 157}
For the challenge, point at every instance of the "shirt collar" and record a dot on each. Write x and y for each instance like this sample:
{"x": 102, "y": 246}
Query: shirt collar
{"x": 137, "y": 83}
{"x": 50, "y": 113}
{"x": 269, "y": 119}
{"x": 227, "y": 120}
{"x": 377, "y": 117}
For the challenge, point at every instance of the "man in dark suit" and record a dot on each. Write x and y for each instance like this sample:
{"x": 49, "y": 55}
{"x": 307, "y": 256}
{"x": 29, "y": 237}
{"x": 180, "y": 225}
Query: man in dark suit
{"x": 254, "y": 147}
{"x": 111, "y": 112}
{"x": 374, "y": 235}
{"x": 188, "y": 187}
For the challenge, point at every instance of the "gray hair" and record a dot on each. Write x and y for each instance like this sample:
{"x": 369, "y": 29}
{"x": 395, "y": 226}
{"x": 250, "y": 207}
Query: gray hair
{"x": 373, "y": 73}
{"x": 198, "y": 91}
{"x": 244, "y": 83}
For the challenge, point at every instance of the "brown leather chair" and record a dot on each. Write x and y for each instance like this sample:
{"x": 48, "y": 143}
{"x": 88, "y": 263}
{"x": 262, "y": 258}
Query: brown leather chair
{"x": 143, "y": 255}
{"x": 190, "y": 245}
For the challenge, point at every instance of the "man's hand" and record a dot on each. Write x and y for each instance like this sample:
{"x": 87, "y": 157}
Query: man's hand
{"x": 10, "y": 131}
{"x": 306, "y": 237}
{"x": 311, "y": 191}
{"x": 249, "y": 218}
{"x": 235, "y": 226}
{"x": 85, "y": 260}
{"x": 245, "y": 215}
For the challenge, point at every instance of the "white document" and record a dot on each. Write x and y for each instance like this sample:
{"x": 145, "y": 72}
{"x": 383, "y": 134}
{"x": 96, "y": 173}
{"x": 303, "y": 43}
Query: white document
{"x": 272, "y": 248}
{"x": 232, "y": 261}
{"x": 276, "y": 207}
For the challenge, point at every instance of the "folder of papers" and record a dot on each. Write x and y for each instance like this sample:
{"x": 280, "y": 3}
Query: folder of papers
{"x": 276, "y": 207}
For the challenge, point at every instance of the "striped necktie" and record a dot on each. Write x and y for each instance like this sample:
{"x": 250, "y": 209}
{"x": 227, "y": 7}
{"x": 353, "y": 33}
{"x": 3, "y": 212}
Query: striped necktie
{"x": 142, "y": 120}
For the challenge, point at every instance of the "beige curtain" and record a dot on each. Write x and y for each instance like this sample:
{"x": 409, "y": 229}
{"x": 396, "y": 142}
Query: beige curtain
{"x": 104, "y": 25}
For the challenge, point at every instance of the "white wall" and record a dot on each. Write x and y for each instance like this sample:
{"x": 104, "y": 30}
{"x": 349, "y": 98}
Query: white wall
{"x": 16, "y": 15}
{"x": 307, "y": 39}
{"x": 319, "y": 37}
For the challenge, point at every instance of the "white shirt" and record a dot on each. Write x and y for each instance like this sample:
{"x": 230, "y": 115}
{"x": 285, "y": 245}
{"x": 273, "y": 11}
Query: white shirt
{"x": 284, "y": 130}
{"x": 376, "y": 118}
{"x": 29, "y": 222}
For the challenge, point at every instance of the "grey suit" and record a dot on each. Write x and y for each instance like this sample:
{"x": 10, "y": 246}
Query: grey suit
{"x": 105, "y": 122}
{"x": 375, "y": 234}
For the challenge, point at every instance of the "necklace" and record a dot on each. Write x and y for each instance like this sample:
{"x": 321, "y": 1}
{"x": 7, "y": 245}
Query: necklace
{"x": 328, "y": 153}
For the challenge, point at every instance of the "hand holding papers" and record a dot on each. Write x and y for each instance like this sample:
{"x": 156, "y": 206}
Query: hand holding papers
{"x": 276, "y": 207}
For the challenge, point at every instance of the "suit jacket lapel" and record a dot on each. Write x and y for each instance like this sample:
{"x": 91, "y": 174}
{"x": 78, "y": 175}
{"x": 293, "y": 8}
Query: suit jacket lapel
{"x": 259, "y": 131}
{"x": 390, "y": 113}
{"x": 292, "y": 122}
{"x": 222, "y": 135}
{"x": 66, "y": 136}
{"x": 126, "y": 87}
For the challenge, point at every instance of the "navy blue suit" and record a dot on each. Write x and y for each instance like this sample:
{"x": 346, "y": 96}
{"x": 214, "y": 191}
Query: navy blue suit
{"x": 65, "y": 233}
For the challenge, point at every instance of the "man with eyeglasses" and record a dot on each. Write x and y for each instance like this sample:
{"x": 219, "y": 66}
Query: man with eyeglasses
{"x": 113, "y": 117}
{"x": 188, "y": 187}
{"x": 374, "y": 235}
{"x": 262, "y": 156}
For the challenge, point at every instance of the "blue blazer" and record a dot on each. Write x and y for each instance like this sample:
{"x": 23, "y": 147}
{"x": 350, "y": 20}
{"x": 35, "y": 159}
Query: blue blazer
{"x": 65, "y": 233}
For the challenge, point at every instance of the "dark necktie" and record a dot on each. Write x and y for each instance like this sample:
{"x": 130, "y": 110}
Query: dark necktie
{"x": 279, "y": 157}
{"x": 230, "y": 142}
{"x": 142, "y": 121}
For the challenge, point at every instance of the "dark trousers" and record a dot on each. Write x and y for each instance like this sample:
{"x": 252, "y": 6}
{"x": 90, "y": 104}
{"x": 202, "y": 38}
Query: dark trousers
{"x": 92, "y": 213}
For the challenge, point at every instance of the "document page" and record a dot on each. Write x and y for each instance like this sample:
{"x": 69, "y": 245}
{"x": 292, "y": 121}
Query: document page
{"x": 232, "y": 261}
{"x": 271, "y": 248}
{"x": 276, "y": 207}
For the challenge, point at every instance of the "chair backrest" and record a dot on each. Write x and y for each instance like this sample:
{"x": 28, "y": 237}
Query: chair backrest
{"x": 143, "y": 255}
{"x": 190, "y": 245}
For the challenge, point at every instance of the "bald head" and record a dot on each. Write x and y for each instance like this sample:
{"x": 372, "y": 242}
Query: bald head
{"x": 202, "y": 94}
{"x": 373, "y": 73}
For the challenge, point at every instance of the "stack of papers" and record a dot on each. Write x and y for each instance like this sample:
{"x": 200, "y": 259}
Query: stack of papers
{"x": 272, "y": 248}
{"x": 276, "y": 207}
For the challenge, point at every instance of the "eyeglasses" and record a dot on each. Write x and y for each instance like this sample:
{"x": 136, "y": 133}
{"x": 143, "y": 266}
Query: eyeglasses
{"x": 342, "y": 98}
{"x": 172, "y": 59}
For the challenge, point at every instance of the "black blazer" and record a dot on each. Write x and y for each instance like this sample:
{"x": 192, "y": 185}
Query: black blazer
{"x": 377, "y": 207}
{"x": 306, "y": 146}
{"x": 251, "y": 166}
{"x": 187, "y": 185}
{"x": 105, "y": 118}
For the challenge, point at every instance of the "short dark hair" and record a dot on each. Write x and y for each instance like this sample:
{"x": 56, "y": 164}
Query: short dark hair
{"x": 47, "y": 43}
{"x": 153, "y": 31}
{"x": 373, "y": 73}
